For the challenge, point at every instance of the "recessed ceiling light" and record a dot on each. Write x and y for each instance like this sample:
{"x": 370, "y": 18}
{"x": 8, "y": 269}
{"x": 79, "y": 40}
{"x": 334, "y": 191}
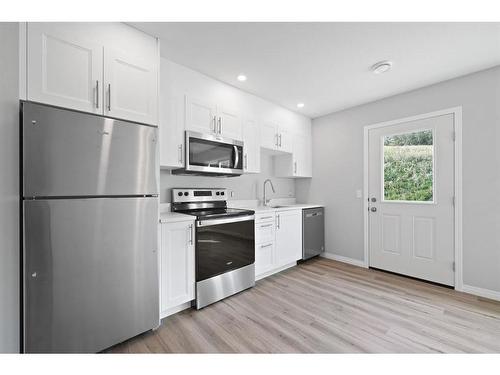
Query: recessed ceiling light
{"x": 300, "y": 105}
{"x": 242, "y": 78}
{"x": 381, "y": 67}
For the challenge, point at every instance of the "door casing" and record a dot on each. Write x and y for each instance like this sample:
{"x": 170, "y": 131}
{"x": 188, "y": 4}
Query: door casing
{"x": 457, "y": 116}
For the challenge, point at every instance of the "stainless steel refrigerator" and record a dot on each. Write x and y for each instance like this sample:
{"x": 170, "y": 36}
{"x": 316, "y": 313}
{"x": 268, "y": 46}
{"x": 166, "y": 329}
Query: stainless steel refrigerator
{"x": 90, "y": 214}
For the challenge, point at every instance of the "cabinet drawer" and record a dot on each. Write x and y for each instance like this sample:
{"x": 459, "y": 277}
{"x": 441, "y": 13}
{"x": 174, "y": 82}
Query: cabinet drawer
{"x": 264, "y": 258}
{"x": 266, "y": 216}
{"x": 264, "y": 232}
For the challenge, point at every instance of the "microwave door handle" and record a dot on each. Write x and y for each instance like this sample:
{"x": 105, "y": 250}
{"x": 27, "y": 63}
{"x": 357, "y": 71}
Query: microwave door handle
{"x": 236, "y": 157}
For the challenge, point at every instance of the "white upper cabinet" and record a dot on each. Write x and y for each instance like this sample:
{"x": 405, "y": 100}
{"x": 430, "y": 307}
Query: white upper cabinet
{"x": 171, "y": 129}
{"x": 208, "y": 117}
{"x": 201, "y": 115}
{"x": 229, "y": 122}
{"x": 251, "y": 146}
{"x": 275, "y": 137}
{"x": 299, "y": 162}
{"x": 288, "y": 237}
{"x": 131, "y": 86}
{"x": 104, "y": 68}
{"x": 64, "y": 68}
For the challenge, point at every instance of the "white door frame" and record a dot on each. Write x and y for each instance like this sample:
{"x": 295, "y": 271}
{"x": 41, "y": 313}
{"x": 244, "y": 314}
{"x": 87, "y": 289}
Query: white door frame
{"x": 457, "y": 116}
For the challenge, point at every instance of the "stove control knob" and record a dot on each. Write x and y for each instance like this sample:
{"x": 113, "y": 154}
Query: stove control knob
{"x": 217, "y": 193}
{"x": 186, "y": 193}
{"x": 221, "y": 193}
{"x": 179, "y": 193}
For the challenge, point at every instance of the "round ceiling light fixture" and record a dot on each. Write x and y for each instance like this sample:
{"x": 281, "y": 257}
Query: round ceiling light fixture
{"x": 381, "y": 67}
{"x": 242, "y": 78}
{"x": 300, "y": 105}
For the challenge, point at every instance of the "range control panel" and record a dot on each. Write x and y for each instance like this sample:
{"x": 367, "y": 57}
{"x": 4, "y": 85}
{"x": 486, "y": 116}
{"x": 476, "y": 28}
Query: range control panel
{"x": 198, "y": 195}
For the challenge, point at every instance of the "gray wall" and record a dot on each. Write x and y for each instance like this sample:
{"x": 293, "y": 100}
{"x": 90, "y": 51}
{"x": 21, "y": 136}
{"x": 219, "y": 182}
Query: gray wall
{"x": 244, "y": 187}
{"x": 9, "y": 189}
{"x": 338, "y": 168}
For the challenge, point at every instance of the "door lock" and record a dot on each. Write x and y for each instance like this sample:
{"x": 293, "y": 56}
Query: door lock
{"x": 374, "y": 199}
{"x": 373, "y": 209}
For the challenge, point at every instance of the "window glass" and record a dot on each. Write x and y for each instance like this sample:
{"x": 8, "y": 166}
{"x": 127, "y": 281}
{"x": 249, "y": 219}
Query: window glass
{"x": 409, "y": 167}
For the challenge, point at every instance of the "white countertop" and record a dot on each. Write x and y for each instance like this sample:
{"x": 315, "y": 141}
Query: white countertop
{"x": 283, "y": 203}
{"x": 174, "y": 217}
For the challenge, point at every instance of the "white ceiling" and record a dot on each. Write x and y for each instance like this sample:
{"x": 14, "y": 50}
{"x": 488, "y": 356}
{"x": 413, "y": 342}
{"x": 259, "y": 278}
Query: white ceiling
{"x": 327, "y": 65}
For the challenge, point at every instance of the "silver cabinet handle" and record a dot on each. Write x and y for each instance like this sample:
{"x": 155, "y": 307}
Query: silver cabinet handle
{"x": 280, "y": 140}
{"x": 97, "y": 93}
{"x": 266, "y": 225}
{"x": 264, "y": 246}
{"x": 191, "y": 234}
{"x": 266, "y": 217}
{"x": 180, "y": 153}
{"x": 215, "y": 124}
{"x": 220, "y": 125}
{"x": 278, "y": 221}
{"x": 246, "y": 161}
{"x": 295, "y": 167}
{"x": 277, "y": 140}
{"x": 109, "y": 96}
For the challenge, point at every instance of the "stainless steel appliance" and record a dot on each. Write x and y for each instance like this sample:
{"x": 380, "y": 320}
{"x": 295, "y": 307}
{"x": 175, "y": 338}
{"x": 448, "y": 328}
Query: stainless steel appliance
{"x": 90, "y": 214}
{"x": 313, "y": 232}
{"x": 225, "y": 243}
{"x": 212, "y": 155}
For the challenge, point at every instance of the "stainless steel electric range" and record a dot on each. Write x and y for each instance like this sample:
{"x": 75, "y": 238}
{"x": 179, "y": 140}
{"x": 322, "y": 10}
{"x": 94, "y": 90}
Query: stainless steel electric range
{"x": 225, "y": 243}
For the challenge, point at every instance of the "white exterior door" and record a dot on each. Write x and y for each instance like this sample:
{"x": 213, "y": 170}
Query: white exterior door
{"x": 411, "y": 198}
{"x": 131, "y": 86}
{"x": 64, "y": 68}
{"x": 177, "y": 265}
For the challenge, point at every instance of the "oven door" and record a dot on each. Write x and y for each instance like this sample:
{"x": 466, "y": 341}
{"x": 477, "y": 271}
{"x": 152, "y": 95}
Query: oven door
{"x": 213, "y": 154}
{"x": 223, "y": 245}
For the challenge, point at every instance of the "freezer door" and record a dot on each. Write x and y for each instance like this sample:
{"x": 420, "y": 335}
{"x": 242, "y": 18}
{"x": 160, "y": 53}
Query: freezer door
{"x": 68, "y": 153}
{"x": 91, "y": 273}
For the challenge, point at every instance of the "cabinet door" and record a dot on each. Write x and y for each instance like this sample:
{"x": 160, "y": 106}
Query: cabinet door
{"x": 251, "y": 146}
{"x": 131, "y": 86}
{"x": 171, "y": 132}
{"x": 269, "y": 136}
{"x": 288, "y": 237}
{"x": 264, "y": 258}
{"x": 229, "y": 123}
{"x": 285, "y": 142}
{"x": 201, "y": 115}
{"x": 177, "y": 268}
{"x": 64, "y": 69}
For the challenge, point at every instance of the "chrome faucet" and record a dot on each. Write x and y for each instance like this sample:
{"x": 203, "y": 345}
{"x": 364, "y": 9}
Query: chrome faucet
{"x": 272, "y": 187}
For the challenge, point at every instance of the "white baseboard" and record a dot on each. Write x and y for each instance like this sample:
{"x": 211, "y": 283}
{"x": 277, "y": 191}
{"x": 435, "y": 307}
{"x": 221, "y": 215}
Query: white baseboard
{"x": 340, "y": 258}
{"x": 481, "y": 292}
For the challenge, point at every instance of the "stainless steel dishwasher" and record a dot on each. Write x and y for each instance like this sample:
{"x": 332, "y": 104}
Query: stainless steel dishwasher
{"x": 313, "y": 232}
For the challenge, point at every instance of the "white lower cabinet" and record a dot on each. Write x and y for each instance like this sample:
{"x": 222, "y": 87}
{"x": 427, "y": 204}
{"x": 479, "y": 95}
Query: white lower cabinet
{"x": 177, "y": 266}
{"x": 278, "y": 241}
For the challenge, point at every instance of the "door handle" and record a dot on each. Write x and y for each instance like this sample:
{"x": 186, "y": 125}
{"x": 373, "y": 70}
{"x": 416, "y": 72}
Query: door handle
{"x": 180, "y": 153}
{"x": 109, "y": 96}
{"x": 373, "y": 209}
{"x": 374, "y": 199}
{"x": 97, "y": 93}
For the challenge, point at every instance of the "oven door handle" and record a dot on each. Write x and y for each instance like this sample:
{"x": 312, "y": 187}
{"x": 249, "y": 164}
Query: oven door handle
{"x": 206, "y": 223}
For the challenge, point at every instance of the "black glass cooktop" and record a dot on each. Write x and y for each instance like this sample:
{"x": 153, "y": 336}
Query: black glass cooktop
{"x": 216, "y": 213}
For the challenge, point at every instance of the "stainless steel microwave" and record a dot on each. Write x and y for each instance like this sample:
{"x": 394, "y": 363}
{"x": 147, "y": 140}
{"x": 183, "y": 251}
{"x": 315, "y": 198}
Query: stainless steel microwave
{"x": 212, "y": 155}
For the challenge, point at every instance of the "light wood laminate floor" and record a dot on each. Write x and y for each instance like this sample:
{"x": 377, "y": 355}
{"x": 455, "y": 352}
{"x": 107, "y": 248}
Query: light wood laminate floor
{"x": 323, "y": 306}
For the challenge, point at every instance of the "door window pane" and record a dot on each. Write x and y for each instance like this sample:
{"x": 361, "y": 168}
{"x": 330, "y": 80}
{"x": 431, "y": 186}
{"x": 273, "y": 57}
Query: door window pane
{"x": 409, "y": 167}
